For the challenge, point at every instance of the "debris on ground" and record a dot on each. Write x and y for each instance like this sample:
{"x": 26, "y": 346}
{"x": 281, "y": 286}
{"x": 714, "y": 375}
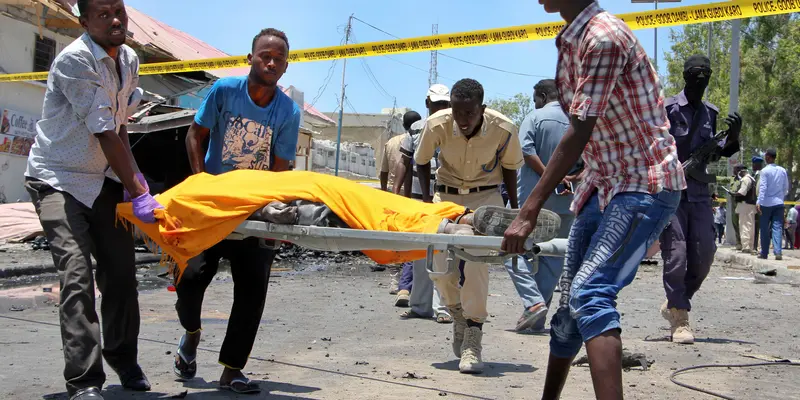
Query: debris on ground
{"x": 771, "y": 276}
{"x": 629, "y": 361}
{"x": 180, "y": 395}
{"x": 40, "y": 243}
{"x": 362, "y": 363}
{"x": 411, "y": 375}
{"x": 769, "y": 358}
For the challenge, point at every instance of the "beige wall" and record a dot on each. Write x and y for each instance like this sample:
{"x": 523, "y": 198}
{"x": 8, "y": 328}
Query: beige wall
{"x": 16, "y": 56}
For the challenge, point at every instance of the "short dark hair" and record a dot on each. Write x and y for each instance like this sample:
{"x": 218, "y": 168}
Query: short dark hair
{"x": 83, "y": 7}
{"x": 547, "y": 87}
{"x": 771, "y": 152}
{"x": 467, "y": 89}
{"x": 409, "y": 118}
{"x": 270, "y": 32}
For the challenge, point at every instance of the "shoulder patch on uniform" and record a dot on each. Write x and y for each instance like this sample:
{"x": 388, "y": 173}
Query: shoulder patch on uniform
{"x": 711, "y": 106}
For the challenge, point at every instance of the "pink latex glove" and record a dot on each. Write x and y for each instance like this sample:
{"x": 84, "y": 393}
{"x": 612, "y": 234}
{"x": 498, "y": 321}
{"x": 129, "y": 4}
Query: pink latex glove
{"x": 126, "y": 197}
{"x": 143, "y": 207}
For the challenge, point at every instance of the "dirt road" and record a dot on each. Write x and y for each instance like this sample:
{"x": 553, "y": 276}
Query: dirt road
{"x": 336, "y": 335}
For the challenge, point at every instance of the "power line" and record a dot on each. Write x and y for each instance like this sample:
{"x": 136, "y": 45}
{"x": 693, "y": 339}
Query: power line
{"x": 375, "y": 27}
{"x": 327, "y": 79}
{"x": 325, "y": 83}
{"x": 456, "y": 58}
{"x": 358, "y": 116}
{"x": 374, "y": 80}
{"x": 370, "y": 75}
{"x": 495, "y": 69}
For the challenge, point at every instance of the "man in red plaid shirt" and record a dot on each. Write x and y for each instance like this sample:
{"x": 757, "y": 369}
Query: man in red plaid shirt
{"x": 631, "y": 186}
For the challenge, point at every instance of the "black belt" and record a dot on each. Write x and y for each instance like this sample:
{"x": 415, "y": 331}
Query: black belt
{"x": 457, "y": 191}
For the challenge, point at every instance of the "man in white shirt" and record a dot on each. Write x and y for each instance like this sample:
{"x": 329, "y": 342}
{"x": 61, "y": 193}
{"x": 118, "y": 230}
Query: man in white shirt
{"x": 80, "y": 154}
{"x": 425, "y": 299}
{"x": 772, "y": 190}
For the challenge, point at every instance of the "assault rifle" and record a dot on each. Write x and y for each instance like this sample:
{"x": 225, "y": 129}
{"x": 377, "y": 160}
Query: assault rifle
{"x": 707, "y": 152}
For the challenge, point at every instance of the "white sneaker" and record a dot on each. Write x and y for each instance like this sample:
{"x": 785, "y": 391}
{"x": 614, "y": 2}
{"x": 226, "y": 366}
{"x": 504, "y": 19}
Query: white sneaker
{"x": 471, "y": 351}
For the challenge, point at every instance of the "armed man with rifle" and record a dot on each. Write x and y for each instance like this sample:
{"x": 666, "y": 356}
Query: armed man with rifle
{"x": 687, "y": 243}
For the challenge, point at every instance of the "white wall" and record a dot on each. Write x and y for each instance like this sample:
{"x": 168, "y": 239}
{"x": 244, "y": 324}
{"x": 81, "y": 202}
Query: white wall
{"x": 17, "y": 41}
{"x": 353, "y": 158}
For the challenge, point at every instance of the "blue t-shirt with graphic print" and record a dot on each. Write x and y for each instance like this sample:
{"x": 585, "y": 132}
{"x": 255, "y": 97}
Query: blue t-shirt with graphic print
{"x": 244, "y": 135}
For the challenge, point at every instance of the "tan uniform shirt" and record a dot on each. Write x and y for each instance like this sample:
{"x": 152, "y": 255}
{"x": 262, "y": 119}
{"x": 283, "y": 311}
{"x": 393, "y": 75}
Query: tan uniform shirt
{"x": 747, "y": 182}
{"x": 391, "y": 157}
{"x": 476, "y": 162}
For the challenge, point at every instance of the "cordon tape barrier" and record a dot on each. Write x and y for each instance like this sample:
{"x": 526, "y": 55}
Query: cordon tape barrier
{"x": 712, "y": 12}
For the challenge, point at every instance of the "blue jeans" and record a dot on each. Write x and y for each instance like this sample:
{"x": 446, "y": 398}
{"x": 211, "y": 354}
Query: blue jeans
{"x": 406, "y": 277}
{"x": 771, "y": 220}
{"x": 605, "y": 249}
{"x": 539, "y": 288}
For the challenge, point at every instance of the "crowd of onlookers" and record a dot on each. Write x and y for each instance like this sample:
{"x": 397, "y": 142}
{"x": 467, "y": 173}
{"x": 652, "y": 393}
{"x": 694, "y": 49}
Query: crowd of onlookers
{"x": 760, "y": 209}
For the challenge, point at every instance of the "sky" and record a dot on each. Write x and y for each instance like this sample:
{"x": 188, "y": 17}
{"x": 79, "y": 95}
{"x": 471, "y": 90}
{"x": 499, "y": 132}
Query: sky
{"x": 373, "y": 83}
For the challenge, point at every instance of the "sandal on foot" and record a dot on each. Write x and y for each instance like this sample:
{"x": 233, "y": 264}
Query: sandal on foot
{"x": 444, "y": 318}
{"x": 412, "y": 315}
{"x": 494, "y": 220}
{"x": 185, "y": 367}
{"x": 241, "y": 386}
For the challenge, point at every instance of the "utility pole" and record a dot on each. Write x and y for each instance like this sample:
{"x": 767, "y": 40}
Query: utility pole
{"x": 655, "y": 43}
{"x": 341, "y": 101}
{"x": 433, "y": 76}
{"x": 736, "y": 31}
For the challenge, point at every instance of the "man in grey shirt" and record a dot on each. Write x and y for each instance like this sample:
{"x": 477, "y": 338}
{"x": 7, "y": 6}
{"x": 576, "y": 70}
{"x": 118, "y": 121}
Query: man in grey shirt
{"x": 540, "y": 133}
{"x": 91, "y": 91}
{"x": 425, "y": 300}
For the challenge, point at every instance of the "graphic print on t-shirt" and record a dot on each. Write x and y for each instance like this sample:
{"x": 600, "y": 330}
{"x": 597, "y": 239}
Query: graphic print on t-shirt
{"x": 246, "y": 143}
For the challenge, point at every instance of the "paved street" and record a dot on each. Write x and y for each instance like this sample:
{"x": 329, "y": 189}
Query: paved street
{"x": 335, "y": 335}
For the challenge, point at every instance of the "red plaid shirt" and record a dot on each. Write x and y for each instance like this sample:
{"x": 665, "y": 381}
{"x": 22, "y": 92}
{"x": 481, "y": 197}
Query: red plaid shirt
{"x": 604, "y": 72}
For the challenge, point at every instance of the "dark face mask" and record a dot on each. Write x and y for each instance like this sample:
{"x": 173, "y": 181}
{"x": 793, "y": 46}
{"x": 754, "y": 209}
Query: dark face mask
{"x": 697, "y": 79}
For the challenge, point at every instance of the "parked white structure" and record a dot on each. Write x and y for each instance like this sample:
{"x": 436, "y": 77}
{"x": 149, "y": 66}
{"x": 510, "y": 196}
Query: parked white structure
{"x": 355, "y": 158}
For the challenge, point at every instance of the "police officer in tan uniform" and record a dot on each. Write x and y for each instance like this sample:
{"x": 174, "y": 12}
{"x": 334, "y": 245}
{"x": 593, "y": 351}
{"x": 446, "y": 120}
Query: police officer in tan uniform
{"x": 479, "y": 149}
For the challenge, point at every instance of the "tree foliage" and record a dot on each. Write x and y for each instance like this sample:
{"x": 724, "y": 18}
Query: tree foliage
{"x": 516, "y": 108}
{"x": 769, "y": 98}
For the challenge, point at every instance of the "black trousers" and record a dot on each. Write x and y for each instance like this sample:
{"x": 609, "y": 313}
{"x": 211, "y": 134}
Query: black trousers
{"x": 76, "y": 232}
{"x": 251, "y": 261}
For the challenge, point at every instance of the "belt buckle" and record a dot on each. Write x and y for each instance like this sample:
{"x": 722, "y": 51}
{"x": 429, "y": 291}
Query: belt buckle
{"x": 463, "y": 191}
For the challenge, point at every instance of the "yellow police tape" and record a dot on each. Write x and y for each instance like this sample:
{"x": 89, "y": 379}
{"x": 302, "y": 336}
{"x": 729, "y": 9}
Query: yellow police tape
{"x": 785, "y": 203}
{"x": 713, "y": 12}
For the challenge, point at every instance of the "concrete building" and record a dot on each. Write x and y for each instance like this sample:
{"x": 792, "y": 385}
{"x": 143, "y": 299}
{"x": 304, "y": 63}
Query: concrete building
{"x": 373, "y": 130}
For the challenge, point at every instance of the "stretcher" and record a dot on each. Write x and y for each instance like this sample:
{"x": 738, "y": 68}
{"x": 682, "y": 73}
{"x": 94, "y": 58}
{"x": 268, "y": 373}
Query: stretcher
{"x": 482, "y": 249}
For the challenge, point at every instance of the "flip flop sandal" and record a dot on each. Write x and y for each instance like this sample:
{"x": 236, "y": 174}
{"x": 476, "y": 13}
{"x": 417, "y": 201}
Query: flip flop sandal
{"x": 494, "y": 220}
{"x": 444, "y": 319}
{"x": 184, "y": 368}
{"x": 411, "y": 315}
{"x": 241, "y": 386}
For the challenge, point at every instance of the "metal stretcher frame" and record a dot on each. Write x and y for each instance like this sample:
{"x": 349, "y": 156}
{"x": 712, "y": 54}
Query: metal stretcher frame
{"x": 457, "y": 247}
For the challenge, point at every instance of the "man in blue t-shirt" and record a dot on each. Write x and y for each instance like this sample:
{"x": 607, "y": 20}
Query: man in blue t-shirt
{"x": 250, "y": 124}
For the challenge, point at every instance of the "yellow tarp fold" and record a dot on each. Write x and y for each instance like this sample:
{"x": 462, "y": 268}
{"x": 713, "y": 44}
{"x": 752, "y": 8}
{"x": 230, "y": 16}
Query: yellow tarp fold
{"x": 204, "y": 209}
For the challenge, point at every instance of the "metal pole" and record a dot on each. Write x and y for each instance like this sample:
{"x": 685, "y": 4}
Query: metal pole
{"x": 341, "y": 101}
{"x": 736, "y": 29}
{"x": 655, "y": 42}
{"x": 710, "y": 30}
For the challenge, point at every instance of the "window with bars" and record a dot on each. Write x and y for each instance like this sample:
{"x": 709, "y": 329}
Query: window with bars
{"x": 43, "y": 54}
